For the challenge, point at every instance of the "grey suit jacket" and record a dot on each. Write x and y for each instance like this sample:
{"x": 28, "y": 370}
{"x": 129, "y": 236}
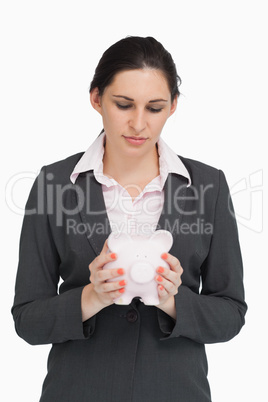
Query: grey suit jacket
{"x": 136, "y": 352}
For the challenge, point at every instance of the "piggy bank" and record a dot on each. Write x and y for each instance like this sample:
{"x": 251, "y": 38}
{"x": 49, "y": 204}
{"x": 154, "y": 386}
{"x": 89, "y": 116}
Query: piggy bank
{"x": 139, "y": 256}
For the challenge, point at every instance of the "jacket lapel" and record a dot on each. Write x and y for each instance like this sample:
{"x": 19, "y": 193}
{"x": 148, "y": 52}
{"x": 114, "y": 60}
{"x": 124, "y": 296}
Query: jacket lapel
{"x": 174, "y": 204}
{"x": 92, "y": 210}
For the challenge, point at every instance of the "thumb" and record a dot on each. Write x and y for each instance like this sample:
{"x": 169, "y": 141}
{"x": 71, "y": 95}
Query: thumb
{"x": 105, "y": 247}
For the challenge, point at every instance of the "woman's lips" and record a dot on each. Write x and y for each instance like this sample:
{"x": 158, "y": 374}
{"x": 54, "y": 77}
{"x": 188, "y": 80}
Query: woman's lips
{"x": 135, "y": 141}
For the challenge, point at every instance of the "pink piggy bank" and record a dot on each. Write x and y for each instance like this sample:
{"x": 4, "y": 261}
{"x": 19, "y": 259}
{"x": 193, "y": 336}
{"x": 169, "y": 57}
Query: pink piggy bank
{"x": 139, "y": 256}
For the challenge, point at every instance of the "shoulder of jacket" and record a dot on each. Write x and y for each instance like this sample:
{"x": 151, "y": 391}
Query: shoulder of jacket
{"x": 60, "y": 171}
{"x": 199, "y": 171}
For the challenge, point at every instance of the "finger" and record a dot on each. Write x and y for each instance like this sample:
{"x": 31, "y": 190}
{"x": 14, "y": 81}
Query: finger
{"x": 105, "y": 247}
{"x": 107, "y": 287}
{"x": 172, "y": 261}
{"x": 112, "y": 296}
{"x": 106, "y": 254}
{"x": 115, "y": 295}
{"x": 172, "y": 276}
{"x": 106, "y": 274}
{"x": 99, "y": 275}
{"x": 103, "y": 258}
{"x": 170, "y": 287}
{"x": 162, "y": 291}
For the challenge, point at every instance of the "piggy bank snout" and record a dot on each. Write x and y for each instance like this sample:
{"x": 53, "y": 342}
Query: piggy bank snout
{"x": 142, "y": 272}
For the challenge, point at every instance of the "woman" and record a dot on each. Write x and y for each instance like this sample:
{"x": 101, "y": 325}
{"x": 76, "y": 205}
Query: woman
{"x": 129, "y": 180}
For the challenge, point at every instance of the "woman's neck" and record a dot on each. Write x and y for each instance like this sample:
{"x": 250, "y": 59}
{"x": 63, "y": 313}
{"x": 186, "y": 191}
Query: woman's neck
{"x": 126, "y": 170}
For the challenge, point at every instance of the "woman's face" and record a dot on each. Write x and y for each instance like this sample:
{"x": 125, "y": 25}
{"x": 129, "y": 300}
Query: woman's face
{"x": 134, "y": 109}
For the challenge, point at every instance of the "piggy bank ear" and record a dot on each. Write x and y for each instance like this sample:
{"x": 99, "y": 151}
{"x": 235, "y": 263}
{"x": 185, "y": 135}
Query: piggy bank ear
{"x": 118, "y": 240}
{"x": 163, "y": 238}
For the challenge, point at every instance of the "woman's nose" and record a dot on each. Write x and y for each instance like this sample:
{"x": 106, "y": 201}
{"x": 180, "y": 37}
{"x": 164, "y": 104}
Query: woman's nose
{"x": 138, "y": 121}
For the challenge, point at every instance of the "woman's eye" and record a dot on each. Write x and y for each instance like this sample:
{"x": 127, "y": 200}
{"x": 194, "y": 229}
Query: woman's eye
{"x": 124, "y": 107}
{"x": 153, "y": 110}
{"x": 128, "y": 106}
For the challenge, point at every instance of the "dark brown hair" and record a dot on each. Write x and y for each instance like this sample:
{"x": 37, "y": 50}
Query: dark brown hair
{"x": 131, "y": 53}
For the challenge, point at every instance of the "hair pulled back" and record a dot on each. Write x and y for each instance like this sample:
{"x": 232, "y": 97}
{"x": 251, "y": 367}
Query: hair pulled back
{"x": 131, "y": 53}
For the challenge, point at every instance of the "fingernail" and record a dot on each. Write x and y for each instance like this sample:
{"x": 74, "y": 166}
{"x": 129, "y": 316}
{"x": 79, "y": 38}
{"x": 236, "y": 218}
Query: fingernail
{"x": 113, "y": 256}
{"x": 121, "y": 290}
{"x": 159, "y": 279}
{"x": 164, "y": 256}
{"x": 161, "y": 287}
{"x": 160, "y": 270}
{"x": 122, "y": 283}
{"x": 120, "y": 271}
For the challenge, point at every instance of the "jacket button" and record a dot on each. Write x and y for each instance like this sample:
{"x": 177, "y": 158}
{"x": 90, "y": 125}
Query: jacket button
{"x": 132, "y": 316}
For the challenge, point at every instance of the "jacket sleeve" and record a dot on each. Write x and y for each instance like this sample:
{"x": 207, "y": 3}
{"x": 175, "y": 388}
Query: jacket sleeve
{"x": 217, "y": 313}
{"x": 41, "y": 315}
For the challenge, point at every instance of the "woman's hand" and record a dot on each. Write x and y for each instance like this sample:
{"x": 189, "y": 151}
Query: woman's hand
{"x": 100, "y": 293}
{"x": 169, "y": 280}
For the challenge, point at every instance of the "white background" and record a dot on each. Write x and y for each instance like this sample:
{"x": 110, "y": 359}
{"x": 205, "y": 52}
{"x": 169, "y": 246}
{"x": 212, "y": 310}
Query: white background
{"x": 49, "y": 50}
